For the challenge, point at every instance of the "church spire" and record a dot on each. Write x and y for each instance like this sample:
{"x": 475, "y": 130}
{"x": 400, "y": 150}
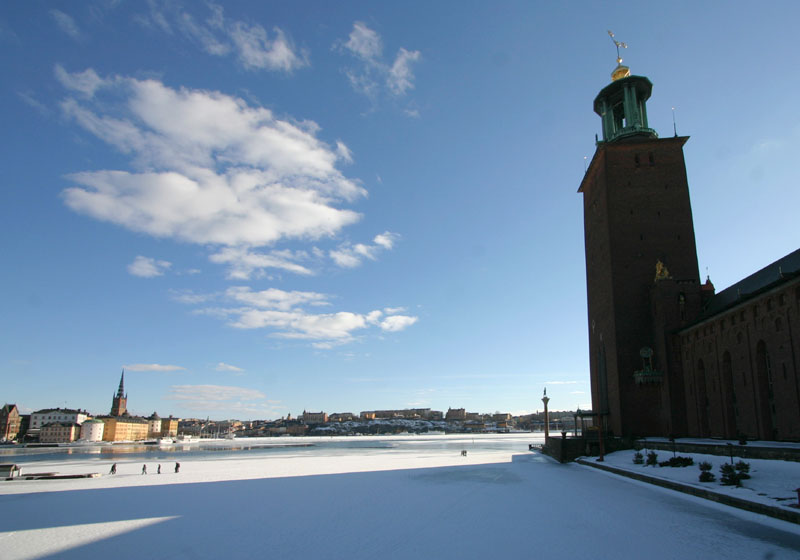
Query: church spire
{"x": 121, "y": 390}
{"x": 119, "y": 403}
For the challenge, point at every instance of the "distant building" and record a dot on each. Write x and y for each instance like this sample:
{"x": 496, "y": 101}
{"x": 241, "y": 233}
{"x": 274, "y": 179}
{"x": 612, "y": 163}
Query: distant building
{"x": 455, "y": 414}
{"x": 169, "y": 427}
{"x": 342, "y": 417}
{"x": 406, "y": 413}
{"x": 314, "y": 417}
{"x": 63, "y": 415}
{"x": 92, "y": 430}
{"x": 9, "y": 422}
{"x": 59, "y": 432}
{"x": 154, "y": 426}
{"x": 119, "y": 402}
{"x": 124, "y": 428}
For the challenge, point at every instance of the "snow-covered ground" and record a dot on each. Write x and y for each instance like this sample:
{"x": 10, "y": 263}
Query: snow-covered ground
{"x": 405, "y": 501}
{"x": 772, "y": 482}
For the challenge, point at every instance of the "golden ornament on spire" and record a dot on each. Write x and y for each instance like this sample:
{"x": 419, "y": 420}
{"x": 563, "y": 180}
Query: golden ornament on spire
{"x": 620, "y": 71}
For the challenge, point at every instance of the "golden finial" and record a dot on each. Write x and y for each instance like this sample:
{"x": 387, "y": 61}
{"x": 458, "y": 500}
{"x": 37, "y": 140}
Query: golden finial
{"x": 620, "y": 71}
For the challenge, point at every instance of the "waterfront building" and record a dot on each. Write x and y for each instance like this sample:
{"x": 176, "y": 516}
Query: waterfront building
{"x": 9, "y": 422}
{"x": 669, "y": 356}
{"x": 124, "y": 428}
{"x": 169, "y": 427}
{"x": 59, "y": 432}
{"x": 92, "y": 430}
{"x": 63, "y": 415}
{"x": 154, "y": 426}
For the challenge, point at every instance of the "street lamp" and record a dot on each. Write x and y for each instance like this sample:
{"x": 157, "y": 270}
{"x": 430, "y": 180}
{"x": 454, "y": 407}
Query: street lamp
{"x": 545, "y": 400}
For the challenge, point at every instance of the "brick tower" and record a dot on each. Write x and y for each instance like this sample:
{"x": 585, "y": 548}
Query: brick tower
{"x": 119, "y": 402}
{"x": 641, "y": 264}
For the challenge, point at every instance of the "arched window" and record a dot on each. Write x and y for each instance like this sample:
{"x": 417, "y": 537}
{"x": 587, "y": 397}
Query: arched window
{"x": 766, "y": 392}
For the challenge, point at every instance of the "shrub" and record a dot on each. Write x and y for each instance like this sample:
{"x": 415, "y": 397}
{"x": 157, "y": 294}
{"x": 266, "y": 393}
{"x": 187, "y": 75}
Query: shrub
{"x": 678, "y": 462}
{"x": 638, "y": 458}
{"x": 652, "y": 458}
{"x": 743, "y": 470}
{"x": 729, "y": 476}
{"x": 705, "y": 472}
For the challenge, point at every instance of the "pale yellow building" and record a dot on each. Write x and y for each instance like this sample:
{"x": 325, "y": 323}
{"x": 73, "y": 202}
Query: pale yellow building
{"x": 124, "y": 428}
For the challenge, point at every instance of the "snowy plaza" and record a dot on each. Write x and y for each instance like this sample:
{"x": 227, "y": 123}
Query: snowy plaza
{"x": 400, "y": 497}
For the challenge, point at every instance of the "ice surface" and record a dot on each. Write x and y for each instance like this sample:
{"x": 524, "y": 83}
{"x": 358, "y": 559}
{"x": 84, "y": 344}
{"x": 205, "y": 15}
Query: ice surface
{"x": 396, "y": 501}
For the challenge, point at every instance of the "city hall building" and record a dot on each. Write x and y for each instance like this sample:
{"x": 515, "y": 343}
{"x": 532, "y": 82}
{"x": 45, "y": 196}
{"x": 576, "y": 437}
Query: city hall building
{"x": 669, "y": 355}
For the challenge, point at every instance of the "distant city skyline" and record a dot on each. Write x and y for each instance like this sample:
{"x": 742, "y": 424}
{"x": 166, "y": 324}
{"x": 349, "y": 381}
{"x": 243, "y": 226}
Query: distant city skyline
{"x": 264, "y": 208}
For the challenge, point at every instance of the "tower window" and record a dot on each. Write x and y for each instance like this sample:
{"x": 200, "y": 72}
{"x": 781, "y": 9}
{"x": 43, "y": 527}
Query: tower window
{"x": 636, "y": 159}
{"x": 641, "y": 237}
{"x": 652, "y": 159}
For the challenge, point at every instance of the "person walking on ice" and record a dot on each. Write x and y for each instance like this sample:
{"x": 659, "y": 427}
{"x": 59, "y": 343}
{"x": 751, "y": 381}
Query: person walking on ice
{"x": 114, "y": 469}
{"x": 144, "y": 469}
{"x": 159, "y": 469}
{"x": 177, "y": 467}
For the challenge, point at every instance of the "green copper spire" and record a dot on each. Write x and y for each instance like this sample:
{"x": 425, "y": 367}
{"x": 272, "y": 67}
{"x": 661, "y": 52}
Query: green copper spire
{"x": 622, "y": 103}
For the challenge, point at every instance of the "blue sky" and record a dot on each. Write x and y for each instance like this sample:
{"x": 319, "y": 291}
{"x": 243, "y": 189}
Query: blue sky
{"x": 259, "y": 208}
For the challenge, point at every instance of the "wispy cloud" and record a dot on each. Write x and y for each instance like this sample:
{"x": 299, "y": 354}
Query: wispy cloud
{"x": 152, "y": 367}
{"x": 350, "y": 256}
{"x": 66, "y": 23}
{"x": 253, "y": 46}
{"x": 244, "y": 263}
{"x": 400, "y": 78}
{"x": 222, "y": 366}
{"x": 371, "y": 75}
{"x": 220, "y": 398}
{"x": 146, "y": 267}
{"x": 285, "y": 315}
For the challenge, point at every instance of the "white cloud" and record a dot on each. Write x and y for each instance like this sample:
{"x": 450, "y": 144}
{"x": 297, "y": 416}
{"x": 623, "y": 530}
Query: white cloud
{"x": 152, "y": 367}
{"x": 222, "y": 366}
{"x": 86, "y": 82}
{"x": 66, "y": 23}
{"x": 372, "y": 74}
{"x": 257, "y": 50}
{"x": 344, "y": 152}
{"x": 252, "y": 45}
{"x": 147, "y": 267}
{"x": 216, "y": 171}
{"x": 284, "y": 314}
{"x": 350, "y": 256}
{"x": 364, "y": 42}
{"x": 216, "y": 398}
{"x": 189, "y": 297}
{"x": 394, "y": 310}
{"x": 401, "y": 78}
{"x": 275, "y": 299}
{"x": 397, "y": 323}
{"x": 244, "y": 263}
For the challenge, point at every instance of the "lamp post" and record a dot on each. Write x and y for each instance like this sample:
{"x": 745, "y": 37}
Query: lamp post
{"x": 545, "y": 400}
